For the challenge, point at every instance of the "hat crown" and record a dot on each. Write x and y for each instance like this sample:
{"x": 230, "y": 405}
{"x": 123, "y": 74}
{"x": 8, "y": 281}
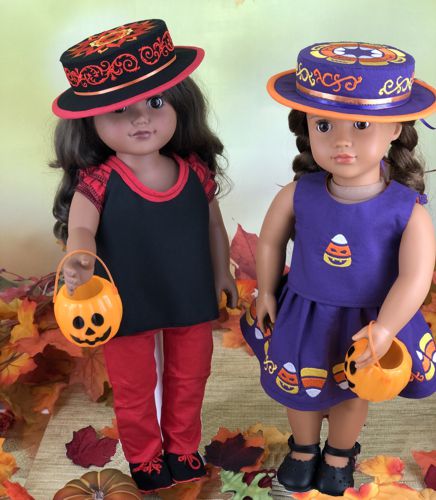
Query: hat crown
{"x": 355, "y": 74}
{"x": 118, "y": 56}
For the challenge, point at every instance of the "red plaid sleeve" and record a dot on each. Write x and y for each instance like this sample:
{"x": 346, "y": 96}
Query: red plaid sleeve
{"x": 92, "y": 184}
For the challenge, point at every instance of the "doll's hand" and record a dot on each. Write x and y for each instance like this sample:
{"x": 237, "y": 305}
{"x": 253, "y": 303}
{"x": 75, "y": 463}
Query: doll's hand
{"x": 382, "y": 340}
{"x": 227, "y": 285}
{"x": 78, "y": 269}
{"x": 266, "y": 309}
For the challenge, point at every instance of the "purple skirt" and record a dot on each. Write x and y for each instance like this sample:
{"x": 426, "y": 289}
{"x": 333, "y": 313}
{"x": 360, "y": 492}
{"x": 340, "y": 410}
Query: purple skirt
{"x": 302, "y": 361}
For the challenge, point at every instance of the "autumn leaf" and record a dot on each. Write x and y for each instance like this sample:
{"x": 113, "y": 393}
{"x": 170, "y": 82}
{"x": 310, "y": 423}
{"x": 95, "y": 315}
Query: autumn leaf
{"x": 8, "y": 465}
{"x": 234, "y": 482}
{"x": 247, "y": 292}
{"x": 13, "y": 364}
{"x": 86, "y": 449}
{"x": 428, "y": 494}
{"x": 110, "y": 432}
{"x": 397, "y": 491}
{"x": 26, "y": 327}
{"x": 384, "y": 469}
{"x": 430, "y": 477}
{"x": 54, "y": 338}
{"x": 8, "y": 310}
{"x": 183, "y": 491}
{"x": 234, "y": 454}
{"x": 90, "y": 371}
{"x": 46, "y": 397}
{"x": 424, "y": 459}
{"x": 52, "y": 365}
{"x": 276, "y": 442}
{"x": 16, "y": 492}
{"x": 243, "y": 251}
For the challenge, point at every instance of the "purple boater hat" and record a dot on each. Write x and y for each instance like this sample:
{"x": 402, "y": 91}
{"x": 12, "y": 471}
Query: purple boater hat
{"x": 355, "y": 81}
{"x": 121, "y": 66}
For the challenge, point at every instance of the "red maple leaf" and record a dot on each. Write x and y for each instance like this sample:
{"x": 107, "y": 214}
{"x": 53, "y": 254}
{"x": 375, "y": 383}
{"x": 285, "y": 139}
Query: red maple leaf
{"x": 16, "y": 492}
{"x": 430, "y": 477}
{"x": 86, "y": 449}
{"x": 232, "y": 454}
{"x": 243, "y": 253}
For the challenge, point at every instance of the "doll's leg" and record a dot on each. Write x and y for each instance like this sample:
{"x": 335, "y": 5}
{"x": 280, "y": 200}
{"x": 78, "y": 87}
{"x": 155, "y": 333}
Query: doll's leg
{"x": 306, "y": 427}
{"x": 131, "y": 368}
{"x": 298, "y": 469}
{"x": 335, "y": 472}
{"x": 345, "y": 423}
{"x": 187, "y": 360}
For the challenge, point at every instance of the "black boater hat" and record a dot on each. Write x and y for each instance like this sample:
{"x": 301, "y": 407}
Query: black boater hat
{"x": 121, "y": 66}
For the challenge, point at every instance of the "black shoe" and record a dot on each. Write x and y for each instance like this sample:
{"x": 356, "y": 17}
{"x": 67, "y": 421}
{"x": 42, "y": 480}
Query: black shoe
{"x": 184, "y": 468}
{"x": 152, "y": 475}
{"x": 298, "y": 475}
{"x": 335, "y": 480}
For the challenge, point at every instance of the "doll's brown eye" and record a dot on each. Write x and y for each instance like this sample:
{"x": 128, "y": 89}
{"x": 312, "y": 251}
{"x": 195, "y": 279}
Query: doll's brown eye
{"x": 361, "y": 125}
{"x": 323, "y": 126}
{"x": 121, "y": 110}
{"x": 155, "y": 102}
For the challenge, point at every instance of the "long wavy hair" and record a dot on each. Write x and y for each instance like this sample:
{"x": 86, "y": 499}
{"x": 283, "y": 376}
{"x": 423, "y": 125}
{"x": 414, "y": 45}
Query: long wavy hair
{"x": 78, "y": 146}
{"x": 404, "y": 167}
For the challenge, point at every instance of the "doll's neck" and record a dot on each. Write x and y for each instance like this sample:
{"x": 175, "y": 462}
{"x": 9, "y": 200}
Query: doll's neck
{"x": 355, "y": 194}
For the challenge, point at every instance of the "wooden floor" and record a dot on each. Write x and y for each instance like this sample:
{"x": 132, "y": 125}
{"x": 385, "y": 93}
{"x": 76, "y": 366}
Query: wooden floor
{"x": 234, "y": 400}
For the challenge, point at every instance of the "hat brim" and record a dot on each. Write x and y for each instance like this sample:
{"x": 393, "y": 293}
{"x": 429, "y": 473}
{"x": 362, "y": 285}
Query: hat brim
{"x": 422, "y": 102}
{"x": 71, "y": 105}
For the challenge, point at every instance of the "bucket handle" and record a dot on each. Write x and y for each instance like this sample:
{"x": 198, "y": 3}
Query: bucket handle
{"x": 69, "y": 254}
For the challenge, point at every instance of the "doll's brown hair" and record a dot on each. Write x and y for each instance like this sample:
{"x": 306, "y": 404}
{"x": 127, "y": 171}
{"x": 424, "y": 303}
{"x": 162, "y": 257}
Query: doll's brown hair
{"x": 404, "y": 167}
{"x": 78, "y": 146}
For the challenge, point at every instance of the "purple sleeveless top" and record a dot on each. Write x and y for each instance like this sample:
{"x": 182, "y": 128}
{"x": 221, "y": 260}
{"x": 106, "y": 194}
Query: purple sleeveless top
{"x": 347, "y": 255}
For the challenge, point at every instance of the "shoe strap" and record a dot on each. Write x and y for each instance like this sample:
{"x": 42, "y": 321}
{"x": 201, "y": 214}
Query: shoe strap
{"x": 337, "y": 452}
{"x": 306, "y": 448}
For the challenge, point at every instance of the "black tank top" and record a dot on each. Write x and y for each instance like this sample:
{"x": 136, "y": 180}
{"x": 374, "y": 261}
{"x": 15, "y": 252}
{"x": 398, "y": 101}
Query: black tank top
{"x": 159, "y": 256}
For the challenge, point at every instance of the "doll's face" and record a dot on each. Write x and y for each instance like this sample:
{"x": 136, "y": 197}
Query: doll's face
{"x": 140, "y": 129}
{"x": 350, "y": 150}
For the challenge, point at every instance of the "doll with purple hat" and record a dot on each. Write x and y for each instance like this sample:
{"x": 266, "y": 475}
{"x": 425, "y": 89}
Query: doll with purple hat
{"x": 364, "y": 250}
{"x": 140, "y": 174}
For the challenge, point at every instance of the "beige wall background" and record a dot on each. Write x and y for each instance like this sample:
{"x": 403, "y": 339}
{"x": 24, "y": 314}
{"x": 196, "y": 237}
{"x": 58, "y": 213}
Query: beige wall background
{"x": 246, "y": 41}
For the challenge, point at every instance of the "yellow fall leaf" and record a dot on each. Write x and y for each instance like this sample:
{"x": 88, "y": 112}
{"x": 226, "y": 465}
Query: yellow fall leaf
{"x": 8, "y": 310}
{"x": 398, "y": 491}
{"x": 13, "y": 364}
{"x": 8, "y": 466}
{"x": 383, "y": 468}
{"x": 26, "y": 327}
{"x": 270, "y": 433}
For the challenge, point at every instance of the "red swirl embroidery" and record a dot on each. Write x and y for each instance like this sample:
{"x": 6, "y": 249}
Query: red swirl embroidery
{"x": 150, "y": 54}
{"x": 334, "y": 81}
{"x": 94, "y": 74}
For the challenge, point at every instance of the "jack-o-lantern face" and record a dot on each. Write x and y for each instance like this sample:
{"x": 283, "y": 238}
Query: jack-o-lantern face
{"x": 338, "y": 253}
{"x": 89, "y": 333}
{"x": 374, "y": 382}
{"x": 92, "y": 315}
{"x": 287, "y": 378}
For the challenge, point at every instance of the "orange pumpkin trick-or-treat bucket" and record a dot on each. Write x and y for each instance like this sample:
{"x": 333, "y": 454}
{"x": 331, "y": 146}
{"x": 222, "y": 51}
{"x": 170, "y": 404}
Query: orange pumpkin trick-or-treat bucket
{"x": 386, "y": 377}
{"x": 92, "y": 314}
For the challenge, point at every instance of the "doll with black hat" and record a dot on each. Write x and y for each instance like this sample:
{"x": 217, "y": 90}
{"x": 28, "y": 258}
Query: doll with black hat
{"x": 140, "y": 175}
{"x": 364, "y": 250}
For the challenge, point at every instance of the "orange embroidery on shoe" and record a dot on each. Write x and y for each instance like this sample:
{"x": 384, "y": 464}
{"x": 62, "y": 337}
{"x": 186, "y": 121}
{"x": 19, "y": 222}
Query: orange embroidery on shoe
{"x": 192, "y": 460}
{"x": 149, "y": 467}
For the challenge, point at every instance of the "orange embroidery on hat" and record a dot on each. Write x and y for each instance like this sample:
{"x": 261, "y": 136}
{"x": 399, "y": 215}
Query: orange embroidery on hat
{"x": 330, "y": 80}
{"x": 378, "y": 55}
{"x": 110, "y": 38}
{"x": 161, "y": 47}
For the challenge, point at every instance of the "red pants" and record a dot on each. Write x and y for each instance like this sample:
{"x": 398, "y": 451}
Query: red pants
{"x": 131, "y": 367}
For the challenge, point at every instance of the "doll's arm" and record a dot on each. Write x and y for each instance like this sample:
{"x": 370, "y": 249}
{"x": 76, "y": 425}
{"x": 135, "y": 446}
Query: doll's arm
{"x": 219, "y": 249}
{"x": 83, "y": 221}
{"x": 271, "y": 252}
{"x": 416, "y": 264}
